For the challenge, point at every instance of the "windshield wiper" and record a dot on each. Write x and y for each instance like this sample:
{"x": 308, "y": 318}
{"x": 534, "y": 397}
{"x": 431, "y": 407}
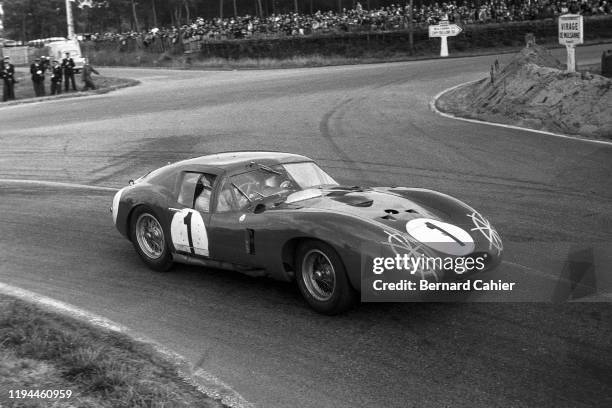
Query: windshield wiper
{"x": 266, "y": 168}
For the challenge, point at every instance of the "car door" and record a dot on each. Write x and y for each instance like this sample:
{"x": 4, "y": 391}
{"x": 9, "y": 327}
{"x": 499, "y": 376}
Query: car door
{"x": 190, "y": 214}
{"x": 235, "y": 226}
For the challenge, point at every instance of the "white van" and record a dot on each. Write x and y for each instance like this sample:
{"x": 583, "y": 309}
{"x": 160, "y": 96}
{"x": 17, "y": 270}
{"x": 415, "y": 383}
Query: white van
{"x": 56, "y": 47}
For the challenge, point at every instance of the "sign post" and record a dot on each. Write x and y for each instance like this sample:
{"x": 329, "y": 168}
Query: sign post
{"x": 571, "y": 33}
{"x": 444, "y": 30}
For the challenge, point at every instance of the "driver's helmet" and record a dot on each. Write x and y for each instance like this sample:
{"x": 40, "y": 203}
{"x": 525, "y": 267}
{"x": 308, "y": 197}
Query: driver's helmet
{"x": 273, "y": 181}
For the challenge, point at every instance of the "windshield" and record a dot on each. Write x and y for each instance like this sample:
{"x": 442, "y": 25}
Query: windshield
{"x": 279, "y": 180}
{"x": 308, "y": 175}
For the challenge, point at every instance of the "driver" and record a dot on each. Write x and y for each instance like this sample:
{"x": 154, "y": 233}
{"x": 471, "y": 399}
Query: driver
{"x": 276, "y": 183}
{"x": 203, "y": 192}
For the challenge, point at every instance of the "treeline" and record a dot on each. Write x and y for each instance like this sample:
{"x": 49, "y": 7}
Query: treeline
{"x": 30, "y": 19}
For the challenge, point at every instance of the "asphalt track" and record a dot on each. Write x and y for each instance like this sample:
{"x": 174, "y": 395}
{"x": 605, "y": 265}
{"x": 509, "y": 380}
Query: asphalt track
{"x": 371, "y": 124}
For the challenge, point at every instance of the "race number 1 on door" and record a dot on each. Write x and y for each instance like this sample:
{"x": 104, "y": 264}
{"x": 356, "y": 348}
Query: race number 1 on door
{"x": 188, "y": 227}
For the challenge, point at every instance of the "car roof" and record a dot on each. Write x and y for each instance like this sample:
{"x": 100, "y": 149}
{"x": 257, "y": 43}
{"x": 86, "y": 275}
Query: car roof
{"x": 234, "y": 161}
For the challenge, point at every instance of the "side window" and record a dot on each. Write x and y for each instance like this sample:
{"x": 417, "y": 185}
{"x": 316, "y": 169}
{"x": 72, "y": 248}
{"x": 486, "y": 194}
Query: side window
{"x": 226, "y": 200}
{"x": 187, "y": 191}
{"x": 196, "y": 190}
{"x": 203, "y": 193}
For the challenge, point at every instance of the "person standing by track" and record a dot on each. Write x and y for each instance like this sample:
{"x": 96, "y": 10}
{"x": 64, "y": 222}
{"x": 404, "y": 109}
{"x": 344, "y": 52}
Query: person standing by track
{"x": 86, "y": 75}
{"x": 68, "y": 67}
{"x": 7, "y": 73}
{"x": 56, "y": 78}
{"x": 38, "y": 77}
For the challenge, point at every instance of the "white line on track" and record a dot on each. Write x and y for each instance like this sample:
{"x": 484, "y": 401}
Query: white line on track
{"x": 432, "y": 105}
{"x": 204, "y": 381}
{"x": 535, "y": 271}
{"x": 56, "y": 184}
{"x": 602, "y": 296}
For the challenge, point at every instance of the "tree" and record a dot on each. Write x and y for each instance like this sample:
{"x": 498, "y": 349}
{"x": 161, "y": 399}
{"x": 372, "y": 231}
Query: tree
{"x": 188, "y": 13}
{"x": 28, "y": 19}
{"x": 135, "y": 16}
{"x": 154, "y": 13}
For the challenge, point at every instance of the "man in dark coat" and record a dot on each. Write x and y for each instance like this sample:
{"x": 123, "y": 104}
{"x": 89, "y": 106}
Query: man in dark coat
{"x": 46, "y": 62}
{"x": 7, "y": 73}
{"x": 38, "y": 77}
{"x": 68, "y": 67}
{"x": 56, "y": 78}
{"x": 86, "y": 75}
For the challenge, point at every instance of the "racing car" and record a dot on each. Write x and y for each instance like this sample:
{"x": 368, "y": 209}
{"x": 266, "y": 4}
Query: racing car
{"x": 281, "y": 215}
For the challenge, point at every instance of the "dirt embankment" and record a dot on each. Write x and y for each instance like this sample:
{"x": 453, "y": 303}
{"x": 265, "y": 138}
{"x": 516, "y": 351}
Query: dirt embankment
{"x": 533, "y": 91}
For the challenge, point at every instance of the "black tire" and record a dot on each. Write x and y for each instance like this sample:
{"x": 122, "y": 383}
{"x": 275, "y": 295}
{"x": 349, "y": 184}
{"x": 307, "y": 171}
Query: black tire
{"x": 321, "y": 278}
{"x": 149, "y": 240}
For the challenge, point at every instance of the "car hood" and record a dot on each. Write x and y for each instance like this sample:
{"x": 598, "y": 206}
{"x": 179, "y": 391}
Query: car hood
{"x": 441, "y": 221}
{"x": 378, "y": 205}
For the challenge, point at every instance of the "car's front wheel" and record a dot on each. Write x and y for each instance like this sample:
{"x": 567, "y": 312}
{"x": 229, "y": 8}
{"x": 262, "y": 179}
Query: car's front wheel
{"x": 149, "y": 240}
{"x": 321, "y": 278}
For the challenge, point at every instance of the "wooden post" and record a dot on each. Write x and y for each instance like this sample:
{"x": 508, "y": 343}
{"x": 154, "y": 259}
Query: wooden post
{"x": 444, "y": 46}
{"x": 571, "y": 57}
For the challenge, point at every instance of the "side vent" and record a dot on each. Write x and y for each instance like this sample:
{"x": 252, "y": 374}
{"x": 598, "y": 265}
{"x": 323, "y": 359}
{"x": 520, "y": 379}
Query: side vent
{"x": 249, "y": 241}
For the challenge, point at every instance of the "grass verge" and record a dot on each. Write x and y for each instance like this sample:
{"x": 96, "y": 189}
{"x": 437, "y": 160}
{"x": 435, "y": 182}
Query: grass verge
{"x": 40, "y": 350}
{"x": 196, "y": 61}
{"x": 24, "y": 89}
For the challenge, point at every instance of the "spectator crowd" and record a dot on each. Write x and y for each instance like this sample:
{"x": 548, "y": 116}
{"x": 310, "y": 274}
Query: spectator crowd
{"x": 390, "y": 18}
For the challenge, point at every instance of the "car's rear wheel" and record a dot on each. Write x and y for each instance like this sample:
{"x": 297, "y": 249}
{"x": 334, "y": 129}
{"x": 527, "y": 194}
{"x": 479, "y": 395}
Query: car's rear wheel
{"x": 321, "y": 278}
{"x": 149, "y": 240}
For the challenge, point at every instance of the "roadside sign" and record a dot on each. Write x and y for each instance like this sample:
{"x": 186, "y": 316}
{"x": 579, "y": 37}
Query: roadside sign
{"x": 571, "y": 29}
{"x": 447, "y": 30}
{"x": 571, "y": 33}
{"x": 444, "y": 30}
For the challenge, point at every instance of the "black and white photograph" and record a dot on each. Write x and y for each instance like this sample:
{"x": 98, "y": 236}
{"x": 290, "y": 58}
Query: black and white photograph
{"x": 306, "y": 204}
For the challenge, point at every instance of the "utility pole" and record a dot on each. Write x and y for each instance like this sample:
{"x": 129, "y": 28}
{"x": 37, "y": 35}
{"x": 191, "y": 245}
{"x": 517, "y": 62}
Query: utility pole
{"x": 69, "y": 20}
{"x": 411, "y": 28}
{"x": 1, "y": 21}
{"x": 1, "y": 29}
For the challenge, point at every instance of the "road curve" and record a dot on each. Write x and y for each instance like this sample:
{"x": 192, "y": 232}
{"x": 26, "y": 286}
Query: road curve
{"x": 365, "y": 124}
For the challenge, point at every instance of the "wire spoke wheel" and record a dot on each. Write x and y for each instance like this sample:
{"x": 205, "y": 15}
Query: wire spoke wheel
{"x": 319, "y": 275}
{"x": 150, "y": 236}
{"x": 322, "y": 278}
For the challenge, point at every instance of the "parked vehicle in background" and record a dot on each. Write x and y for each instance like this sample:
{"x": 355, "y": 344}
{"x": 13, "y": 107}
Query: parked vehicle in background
{"x": 5, "y": 42}
{"x": 56, "y": 47}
